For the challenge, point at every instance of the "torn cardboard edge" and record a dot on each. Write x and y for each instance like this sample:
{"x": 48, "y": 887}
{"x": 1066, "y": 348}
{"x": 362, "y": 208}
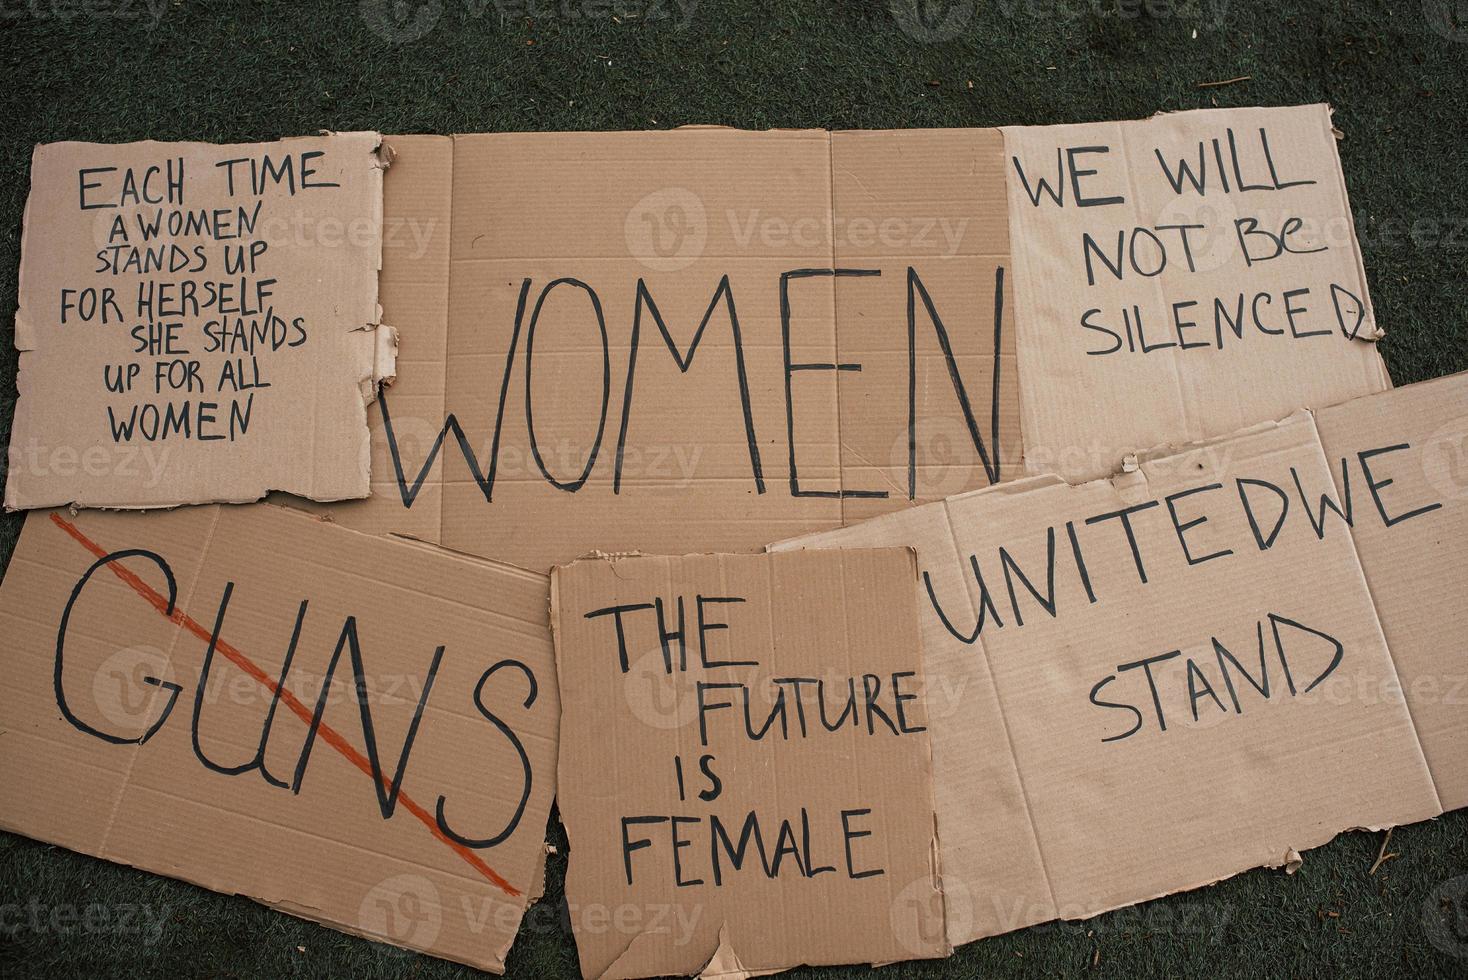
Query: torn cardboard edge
{"x": 1422, "y": 407}
{"x": 250, "y": 273}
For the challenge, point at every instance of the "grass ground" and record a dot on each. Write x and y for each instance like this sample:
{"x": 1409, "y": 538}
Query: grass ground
{"x": 113, "y": 70}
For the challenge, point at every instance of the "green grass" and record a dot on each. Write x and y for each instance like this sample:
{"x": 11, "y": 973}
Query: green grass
{"x": 244, "y": 71}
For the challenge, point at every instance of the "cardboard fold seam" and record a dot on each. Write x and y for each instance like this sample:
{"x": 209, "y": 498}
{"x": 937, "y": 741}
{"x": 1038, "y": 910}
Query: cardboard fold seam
{"x": 982, "y": 652}
{"x": 174, "y": 641}
{"x": 1360, "y": 571}
{"x": 1191, "y": 429}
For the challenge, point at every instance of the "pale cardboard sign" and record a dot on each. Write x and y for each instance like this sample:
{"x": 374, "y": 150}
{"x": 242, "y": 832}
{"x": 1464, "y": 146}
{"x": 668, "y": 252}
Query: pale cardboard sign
{"x": 633, "y": 341}
{"x": 182, "y": 696}
{"x": 745, "y": 767}
{"x": 637, "y": 340}
{"x": 197, "y": 322}
{"x": 1115, "y": 670}
{"x": 1400, "y": 460}
{"x": 1179, "y": 278}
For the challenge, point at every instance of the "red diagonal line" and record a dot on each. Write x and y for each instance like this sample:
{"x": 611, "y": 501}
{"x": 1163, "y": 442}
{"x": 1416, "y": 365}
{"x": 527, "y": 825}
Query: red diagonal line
{"x": 326, "y": 732}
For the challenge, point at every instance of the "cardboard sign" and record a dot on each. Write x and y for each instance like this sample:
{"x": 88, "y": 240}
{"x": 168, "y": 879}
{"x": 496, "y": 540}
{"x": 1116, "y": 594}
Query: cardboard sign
{"x": 1180, "y": 278}
{"x": 745, "y": 776}
{"x": 356, "y": 730}
{"x": 637, "y": 340}
{"x": 1144, "y": 684}
{"x": 198, "y": 322}
{"x": 1400, "y": 460}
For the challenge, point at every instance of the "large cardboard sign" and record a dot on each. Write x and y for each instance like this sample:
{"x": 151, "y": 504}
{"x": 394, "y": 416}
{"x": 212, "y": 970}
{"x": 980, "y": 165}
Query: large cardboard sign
{"x": 355, "y": 730}
{"x": 637, "y": 340}
{"x": 1179, "y": 278}
{"x": 1147, "y": 683}
{"x": 198, "y": 322}
{"x": 745, "y": 774}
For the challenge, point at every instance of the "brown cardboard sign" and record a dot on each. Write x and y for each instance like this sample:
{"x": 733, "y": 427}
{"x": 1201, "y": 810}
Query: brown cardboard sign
{"x": 1148, "y": 683}
{"x": 1179, "y": 278}
{"x": 1400, "y": 461}
{"x": 637, "y": 340}
{"x": 198, "y": 322}
{"x": 353, "y": 729}
{"x": 745, "y": 776}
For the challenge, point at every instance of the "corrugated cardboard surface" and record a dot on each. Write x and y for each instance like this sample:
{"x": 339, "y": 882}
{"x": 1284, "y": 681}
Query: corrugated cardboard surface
{"x": 835, "y": 410}
{"x": 216, "y": 411}
{"x": 100, "y": 650}
{"x": 1137, "y": 778}
{"x": 853, "y": 876}
{"x": 1400, "y": 460}
{"x": 1265, "y": 180}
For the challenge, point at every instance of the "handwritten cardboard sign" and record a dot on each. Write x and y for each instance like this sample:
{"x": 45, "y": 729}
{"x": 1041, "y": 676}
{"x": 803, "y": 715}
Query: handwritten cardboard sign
{"x": 636, "y": 340}
{"x": 198, "y": 322}
{"x": 1179, "y": 278}
{"x": 1147, "y": 683}
{"x": 356, "y": 730}
{"x": 744, "y": 774}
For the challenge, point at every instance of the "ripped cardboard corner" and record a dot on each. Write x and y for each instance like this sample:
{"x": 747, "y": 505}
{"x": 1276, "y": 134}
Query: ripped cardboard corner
{"x": 745, "y": 774}
{"x": 1116, "y": 668}
{"x": 640, "y": 340}
{"x": 198, "y": 322}
{"x": 262, "y": 703}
